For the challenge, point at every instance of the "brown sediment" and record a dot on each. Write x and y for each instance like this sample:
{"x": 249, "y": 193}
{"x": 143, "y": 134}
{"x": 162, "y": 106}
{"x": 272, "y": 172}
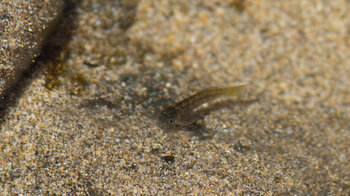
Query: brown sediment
{"x": 24, "y": 27}
{"x": 294, "y": 139}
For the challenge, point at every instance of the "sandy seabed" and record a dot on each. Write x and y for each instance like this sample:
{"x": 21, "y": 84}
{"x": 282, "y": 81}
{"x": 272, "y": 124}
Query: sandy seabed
{"x": 94, "y": 130}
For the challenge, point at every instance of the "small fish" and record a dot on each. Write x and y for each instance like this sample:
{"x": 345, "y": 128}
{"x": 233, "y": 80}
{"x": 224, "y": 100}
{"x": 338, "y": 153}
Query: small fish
{"x": 182, "y": 113}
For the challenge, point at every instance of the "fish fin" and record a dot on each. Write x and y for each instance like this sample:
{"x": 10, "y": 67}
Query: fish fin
{"x": 236, "y": 89}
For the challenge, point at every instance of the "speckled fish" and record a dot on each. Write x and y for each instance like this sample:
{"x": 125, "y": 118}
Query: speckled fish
{"x": 182, "y": 113}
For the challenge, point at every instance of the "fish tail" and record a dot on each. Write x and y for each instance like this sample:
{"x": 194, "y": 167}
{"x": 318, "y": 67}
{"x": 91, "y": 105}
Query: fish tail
{"x": 235, "y": 90}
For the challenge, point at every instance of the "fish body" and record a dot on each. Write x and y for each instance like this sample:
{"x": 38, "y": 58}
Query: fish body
{"x": 182, "y": 112}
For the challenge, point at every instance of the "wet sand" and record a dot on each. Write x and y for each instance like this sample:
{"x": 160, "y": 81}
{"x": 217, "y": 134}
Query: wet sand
{"x": 92, "y": 128}
{"x": 24, "y": 25}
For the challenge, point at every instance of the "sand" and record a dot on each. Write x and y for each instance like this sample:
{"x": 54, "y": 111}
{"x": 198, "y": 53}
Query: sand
{"x": 86, "y": 122}
{"x": 24, "y": 25}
